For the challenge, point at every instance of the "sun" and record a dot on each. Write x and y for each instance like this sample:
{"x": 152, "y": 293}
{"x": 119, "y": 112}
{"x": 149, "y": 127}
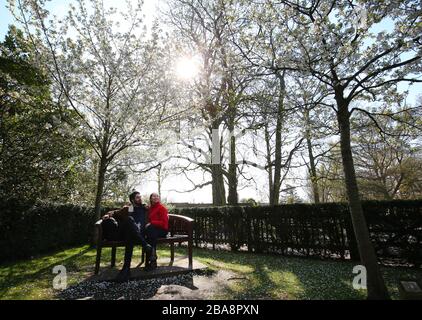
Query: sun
{"x": 187, "y": 68}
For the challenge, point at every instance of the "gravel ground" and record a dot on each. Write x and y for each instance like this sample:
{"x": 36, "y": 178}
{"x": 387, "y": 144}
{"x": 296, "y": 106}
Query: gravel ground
{"x": 188, "y": 286}
{"x": 131, "y": 290}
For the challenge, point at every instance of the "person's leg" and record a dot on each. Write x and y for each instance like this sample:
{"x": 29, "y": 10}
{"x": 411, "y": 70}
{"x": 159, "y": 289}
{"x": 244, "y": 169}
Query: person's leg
{"x": 129, "y": 230}
{"x": 159, "y": 233}
{"x": 144, "y": 252}
{"x": 162, "y": 233}
{"x": 152, "y": 234}
{"x": 125, "y": 230}
{"x": 131, "y": 234}
{"x": 128, "y": 255}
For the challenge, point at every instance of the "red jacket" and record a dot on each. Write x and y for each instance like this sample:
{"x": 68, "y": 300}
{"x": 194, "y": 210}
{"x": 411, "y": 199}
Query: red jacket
{"x": 158, "y": 216}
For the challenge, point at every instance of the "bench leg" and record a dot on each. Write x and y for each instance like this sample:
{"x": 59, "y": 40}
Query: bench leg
{"x": 171, "y": 253}
{"x": 113, "y": 256}
{"x": 190, "y": 253}
{"x": 98, "y": 259}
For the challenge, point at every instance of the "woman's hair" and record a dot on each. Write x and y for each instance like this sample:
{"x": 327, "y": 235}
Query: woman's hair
{"x": 132, "y": 196}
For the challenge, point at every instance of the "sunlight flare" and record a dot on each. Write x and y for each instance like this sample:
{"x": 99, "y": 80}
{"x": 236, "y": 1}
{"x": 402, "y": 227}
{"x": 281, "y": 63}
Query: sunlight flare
{"x": 187, "y": 68}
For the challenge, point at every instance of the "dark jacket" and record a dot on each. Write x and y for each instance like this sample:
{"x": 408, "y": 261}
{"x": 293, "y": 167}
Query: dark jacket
{"x": 122, "y": 214}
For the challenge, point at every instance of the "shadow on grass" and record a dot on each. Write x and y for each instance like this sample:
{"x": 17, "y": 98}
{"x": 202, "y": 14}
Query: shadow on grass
{"x": 257, "y": 276}
{"x": 17, "y": 274}
{"x": 278, "y": 277}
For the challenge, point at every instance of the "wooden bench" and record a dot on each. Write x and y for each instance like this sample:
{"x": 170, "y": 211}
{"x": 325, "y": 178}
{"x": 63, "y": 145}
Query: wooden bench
{"x": 180, "y": 230}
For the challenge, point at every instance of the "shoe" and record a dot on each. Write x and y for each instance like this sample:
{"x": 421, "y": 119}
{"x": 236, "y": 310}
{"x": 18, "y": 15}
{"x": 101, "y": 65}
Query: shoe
{"x": 124, "y": 275}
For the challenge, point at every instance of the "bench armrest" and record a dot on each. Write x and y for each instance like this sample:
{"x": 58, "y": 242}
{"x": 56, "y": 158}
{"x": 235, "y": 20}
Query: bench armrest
{"x": 184, "y": 218}
{"x": 178, "y": 223}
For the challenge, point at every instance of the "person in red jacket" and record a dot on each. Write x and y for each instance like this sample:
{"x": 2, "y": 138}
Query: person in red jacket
{"x": 157, "y": 227}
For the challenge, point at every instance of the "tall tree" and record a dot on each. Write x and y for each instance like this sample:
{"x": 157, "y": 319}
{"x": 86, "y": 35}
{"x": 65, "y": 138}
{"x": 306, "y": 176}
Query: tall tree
{"x": 280, "y": 142}
{"x": 256, "y": 40}
{"x": 309, "y": 96}
{"x": 40, "y": 150}
{"x": 335, "y": 43}
{"x": 388, "y": 154}
{"x": 102, "y": 71}
{"x": 204, "y": 30}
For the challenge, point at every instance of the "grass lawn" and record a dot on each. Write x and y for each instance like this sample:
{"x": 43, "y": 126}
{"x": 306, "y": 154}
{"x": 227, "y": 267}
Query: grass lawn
{"x": 261, "y": 276}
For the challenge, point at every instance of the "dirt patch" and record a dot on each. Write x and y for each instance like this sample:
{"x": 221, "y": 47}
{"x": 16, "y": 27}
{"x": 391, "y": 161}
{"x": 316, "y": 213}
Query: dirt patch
{"x": 203, "y": 287}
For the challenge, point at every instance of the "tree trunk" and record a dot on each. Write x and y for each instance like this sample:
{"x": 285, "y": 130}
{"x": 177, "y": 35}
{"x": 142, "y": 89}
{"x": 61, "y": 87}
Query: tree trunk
{"x": 218, "y": 190}
{"x": 232, "y": 176}
{"x": 269, "y": 164}
{"x": 312, "y": 168}
{"x": 102, "y": 169}
{"x": 231, "y": 118}
{"x": 232, "y": 172}
{"x": 159, "y": 179}
{"x": 375, "y": 282}
{"x": 277, "y": 159}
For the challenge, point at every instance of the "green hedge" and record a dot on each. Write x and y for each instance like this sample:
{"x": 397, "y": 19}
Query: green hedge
{"x": 323, "y": 230}
{"x": 28, "y": 229}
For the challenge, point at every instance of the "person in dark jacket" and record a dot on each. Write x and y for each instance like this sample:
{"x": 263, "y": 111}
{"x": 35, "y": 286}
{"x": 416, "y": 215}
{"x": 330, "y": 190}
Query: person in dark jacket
{"x": 129, "y": 226}
{"x": 156, "y": 228}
